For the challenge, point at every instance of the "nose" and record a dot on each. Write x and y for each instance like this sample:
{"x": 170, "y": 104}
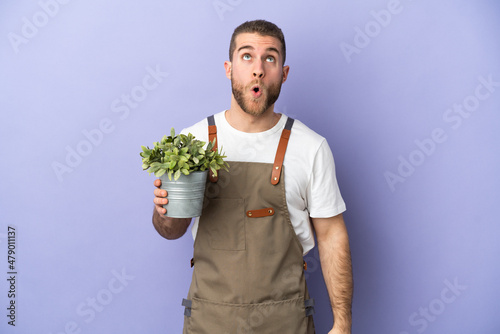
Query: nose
{"x": 258, "y": 71}
{"x": 258, "y": 74}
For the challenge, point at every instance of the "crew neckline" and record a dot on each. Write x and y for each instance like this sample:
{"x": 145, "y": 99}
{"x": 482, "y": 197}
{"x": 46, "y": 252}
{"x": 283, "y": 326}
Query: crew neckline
{"x": 278, "y": 126}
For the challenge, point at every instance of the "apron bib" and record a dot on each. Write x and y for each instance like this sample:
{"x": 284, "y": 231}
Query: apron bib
{"x": 248, "y": 272}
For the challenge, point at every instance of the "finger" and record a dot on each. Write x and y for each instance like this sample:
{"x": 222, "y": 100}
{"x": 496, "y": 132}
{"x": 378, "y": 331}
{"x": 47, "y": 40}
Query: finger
{"x": 160, "y": 193}
{"x": 157, "y": 183}
{"x": 161, "y": 210}
{"x": 160, "y": 201}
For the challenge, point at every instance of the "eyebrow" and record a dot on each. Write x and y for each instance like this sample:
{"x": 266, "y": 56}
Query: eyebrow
{"x": 252, "y": 48}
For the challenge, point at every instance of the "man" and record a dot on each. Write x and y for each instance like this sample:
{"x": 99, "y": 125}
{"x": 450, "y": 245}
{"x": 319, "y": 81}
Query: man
{"x": 248, "y": 274}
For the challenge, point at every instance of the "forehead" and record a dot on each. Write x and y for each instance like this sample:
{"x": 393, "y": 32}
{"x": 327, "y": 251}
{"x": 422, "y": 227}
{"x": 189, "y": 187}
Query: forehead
{"x": 257, "y": 42}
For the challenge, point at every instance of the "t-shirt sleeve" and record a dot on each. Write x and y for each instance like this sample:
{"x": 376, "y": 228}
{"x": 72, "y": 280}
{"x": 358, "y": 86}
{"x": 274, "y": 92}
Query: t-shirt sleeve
{"x": 323, "y": 194}
{"x": 199, "y": 130}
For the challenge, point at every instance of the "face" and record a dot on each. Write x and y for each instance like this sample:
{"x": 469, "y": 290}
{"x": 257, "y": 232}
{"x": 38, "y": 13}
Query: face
{"x": 256, "y": 72}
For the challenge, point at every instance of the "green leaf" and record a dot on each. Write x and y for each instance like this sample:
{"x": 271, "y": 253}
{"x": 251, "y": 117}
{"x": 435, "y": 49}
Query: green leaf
{"x": 184, "y": 139}
{"x": 181, "y": 154}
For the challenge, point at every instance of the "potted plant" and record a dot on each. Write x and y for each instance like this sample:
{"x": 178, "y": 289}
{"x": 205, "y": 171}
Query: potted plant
{"x": 182, "y": 164}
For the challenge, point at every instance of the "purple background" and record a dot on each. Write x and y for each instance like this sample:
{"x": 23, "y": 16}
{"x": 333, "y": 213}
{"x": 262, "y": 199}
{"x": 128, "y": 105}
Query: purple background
{"x": 410, "y": 241}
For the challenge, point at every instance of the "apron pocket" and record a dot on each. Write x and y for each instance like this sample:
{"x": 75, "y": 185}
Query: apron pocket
{"x": 287, "y": 316}
{"x": 229, "y": 232}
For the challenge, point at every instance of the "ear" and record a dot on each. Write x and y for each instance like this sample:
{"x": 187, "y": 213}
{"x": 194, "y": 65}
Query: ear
{"x": 286, "y": 69}
{"x": 228, "y": 66}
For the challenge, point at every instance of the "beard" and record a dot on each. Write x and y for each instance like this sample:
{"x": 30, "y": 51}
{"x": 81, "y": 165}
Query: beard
{"x": 251, "y": 105}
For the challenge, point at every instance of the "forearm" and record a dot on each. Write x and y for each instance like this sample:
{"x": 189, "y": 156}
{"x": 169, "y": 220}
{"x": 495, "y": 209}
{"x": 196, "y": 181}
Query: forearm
{"x": 335, "y": 258}
{"x": 168, "y": 227}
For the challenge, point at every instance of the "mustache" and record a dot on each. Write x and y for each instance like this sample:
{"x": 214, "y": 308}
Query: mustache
{"x": 256, "y": 82}
{"x": 256, "y": 86}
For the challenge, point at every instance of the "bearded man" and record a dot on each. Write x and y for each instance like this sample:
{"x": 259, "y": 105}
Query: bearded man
{"x": 261, "y": 215}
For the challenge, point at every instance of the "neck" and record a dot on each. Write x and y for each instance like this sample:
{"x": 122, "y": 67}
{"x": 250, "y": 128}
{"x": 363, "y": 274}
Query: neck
{"x": 246, "y": 122}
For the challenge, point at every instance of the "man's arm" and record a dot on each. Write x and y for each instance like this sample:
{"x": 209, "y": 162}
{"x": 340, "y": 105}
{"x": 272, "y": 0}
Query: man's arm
{"x": 167, "y": 227}
{"x": 335, "y": 257}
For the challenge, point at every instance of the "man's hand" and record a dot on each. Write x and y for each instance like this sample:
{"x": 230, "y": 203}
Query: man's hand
{"x": 167, "y": 227}
{"x": 160, "y": 198}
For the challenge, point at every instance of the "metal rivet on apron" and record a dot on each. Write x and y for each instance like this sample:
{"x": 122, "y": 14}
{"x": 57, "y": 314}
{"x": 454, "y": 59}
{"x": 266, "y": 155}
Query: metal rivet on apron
{"x": 270, "y": 211}
{"x": 275, "y": 178}
{"x": 277, "y": 167}
{"x": 250, "y": 214}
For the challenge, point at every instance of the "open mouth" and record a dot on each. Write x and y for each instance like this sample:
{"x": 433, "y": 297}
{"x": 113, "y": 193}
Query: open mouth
{"x": 256, "y": 91}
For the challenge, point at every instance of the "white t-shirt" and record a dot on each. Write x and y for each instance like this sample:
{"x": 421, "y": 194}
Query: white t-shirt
{"x": 310, "y": 184}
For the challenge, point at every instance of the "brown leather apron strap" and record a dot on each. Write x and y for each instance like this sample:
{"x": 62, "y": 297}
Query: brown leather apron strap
{"x": 212, "y": 134}
{"x": 280, "y": 152}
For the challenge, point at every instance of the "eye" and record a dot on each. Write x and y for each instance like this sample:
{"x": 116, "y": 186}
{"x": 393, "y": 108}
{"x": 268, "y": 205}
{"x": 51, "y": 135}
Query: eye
{"x": 246, "y": 56}
{"x": 270, "y": 59}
